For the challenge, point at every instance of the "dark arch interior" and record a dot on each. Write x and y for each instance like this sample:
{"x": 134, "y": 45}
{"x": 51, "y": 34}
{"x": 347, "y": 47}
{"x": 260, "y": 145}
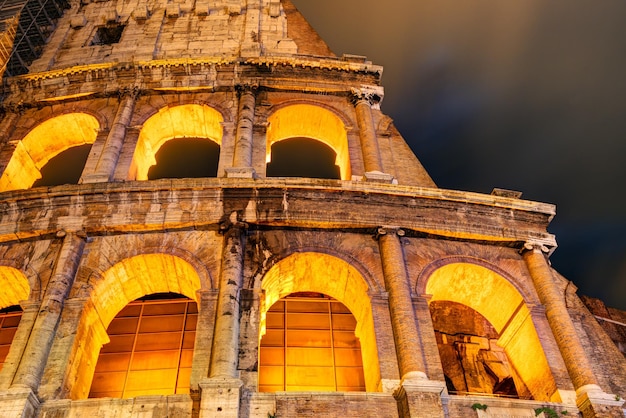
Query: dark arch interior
{"x": 64, "y": 168}
{"x": 303, "y": 157}
{"x": 471, "y": 359}
{"x": 186, "y": 158}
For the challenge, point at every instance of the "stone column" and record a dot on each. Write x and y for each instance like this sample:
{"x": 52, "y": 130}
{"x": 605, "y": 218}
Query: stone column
{"x": 242, "y": 158}
{"x": 30, "y": 369}
{"x": 24, "y": 329}
{"x": 224, "y": 354}
{"x": 220, "y": 393}
{"x": 367, "y": 132}
{"x": 7, "y": 125}
{"x": 588, "y": 393}
{"x": 107, "y": 162}
{"x": 404, "y": 325}
{"x": 207, "y": 300}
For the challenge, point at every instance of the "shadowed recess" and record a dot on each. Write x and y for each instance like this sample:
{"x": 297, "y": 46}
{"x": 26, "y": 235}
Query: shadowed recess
{"x": 303, "y": 157}
{"x": 186, "y": 158}
{"x": 65, "y": 168}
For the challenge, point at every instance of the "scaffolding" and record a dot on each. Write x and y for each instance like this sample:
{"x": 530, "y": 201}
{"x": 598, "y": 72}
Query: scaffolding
{"x": 25, "y": 26}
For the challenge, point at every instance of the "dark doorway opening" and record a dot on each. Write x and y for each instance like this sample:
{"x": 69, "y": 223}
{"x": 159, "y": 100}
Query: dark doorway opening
{"x": 186, "y": 158}
{"x": 303, "y": 157}
{"x": 64, "y": 168}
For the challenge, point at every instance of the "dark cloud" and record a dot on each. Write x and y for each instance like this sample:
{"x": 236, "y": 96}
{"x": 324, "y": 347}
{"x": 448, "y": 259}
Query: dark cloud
{"x": 526, "y": 95}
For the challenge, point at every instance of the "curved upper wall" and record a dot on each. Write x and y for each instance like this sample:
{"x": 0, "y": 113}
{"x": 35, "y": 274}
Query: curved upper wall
{"x": 136, "y": 31}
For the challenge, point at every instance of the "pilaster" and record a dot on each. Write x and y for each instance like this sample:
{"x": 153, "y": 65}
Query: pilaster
{"x": 24, "y": 329}
{"x": 363, "y": 102}
{"x": 31, "y": 367}
{"x": 7, "y": 125}
{"x": 225, "y": 352}
{"x": 403, "y": 322}
{"x": 105, "y": 167}
{"x": 207, "y": 304}
{"x": 242, "y": 158}
{"x": 590, "y": 398}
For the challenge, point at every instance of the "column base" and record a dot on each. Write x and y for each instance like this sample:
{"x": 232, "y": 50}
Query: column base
{"x": 240, "y": 173}
{"x": 419, "y": 397}
{"x": 220, "y": 397}
{"x": 379, "y": 177}
{"x": 94, "y": 178}
{"x": 593, "y": 402}
{"x": 19, "y": 402}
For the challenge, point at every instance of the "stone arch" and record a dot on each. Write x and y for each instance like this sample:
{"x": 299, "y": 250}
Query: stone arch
{"x": 182, "y": 121}
{"x": 501, "y": 303}
{"x": 373, "y": 285}
{"x": 14, "y": 285}
{"x": 127, "y": 280}
{"x": 422, "y": 280}
{"x": 314, "y": 122}
{"x": 332, "y": 276}
{"x": 45, "y": 141}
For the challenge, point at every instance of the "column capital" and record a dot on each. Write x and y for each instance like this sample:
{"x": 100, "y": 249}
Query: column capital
{"x": 371, "y": 96}
{"x": 389, "y": 230}
{"x": 232, "y": 224}
{"x": 131, "y": 92}
{"x": 243, "y": 88}
{"x": 536, "y": 247}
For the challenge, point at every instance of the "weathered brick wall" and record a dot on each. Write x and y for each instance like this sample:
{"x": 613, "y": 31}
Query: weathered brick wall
{"x": 348, "y": 405}
{"x": 612, "y": 321}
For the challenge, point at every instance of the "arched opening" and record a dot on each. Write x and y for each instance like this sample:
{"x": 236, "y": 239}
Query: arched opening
{"x": 191, "y": 121}
{"x": 338, "y": 282}
{"x": 471, "y": 359}
{"x": 46, "y": 141}
{"x": 486, "y": 312}
{"x": 15, "y": 288}
{"x": 150, "y": 349}
{"x": 65, "y": 168}
{"x": 9, "y": 320}
{"x": 303, "y": 157}
{"x": 130, "y": 279}
{"x": 186, "y": 158}
{"x": 310, "y": 345}
{"x": 299, "y": 121}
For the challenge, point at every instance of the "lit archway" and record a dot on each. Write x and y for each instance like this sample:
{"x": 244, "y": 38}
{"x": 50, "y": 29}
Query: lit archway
{"x": 314, "y": 122}
{"x": 500, "y": 303}
{"x": 310, "y": 345}
{"x": 42, "y": 143}
{"x": 331, "y": 276}
{"x": 126, "y": 281}
{"x": 150, "y": 350}
{"x": 184, "y": 121}
{"x": 15, "y": 288}
{"x": 14, "y": 285}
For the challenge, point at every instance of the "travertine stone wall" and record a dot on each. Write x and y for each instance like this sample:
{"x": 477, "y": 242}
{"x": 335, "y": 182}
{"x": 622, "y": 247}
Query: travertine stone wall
{"x": 159, "y": 30}
{"x": 227, "y": 70}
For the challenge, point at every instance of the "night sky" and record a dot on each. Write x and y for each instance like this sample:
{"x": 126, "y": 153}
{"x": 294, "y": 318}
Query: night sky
{"x": 527, "y": 95}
